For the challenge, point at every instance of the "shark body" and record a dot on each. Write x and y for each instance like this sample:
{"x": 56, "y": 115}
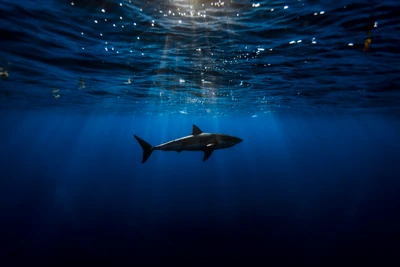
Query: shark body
{"x": 197, "y": 141}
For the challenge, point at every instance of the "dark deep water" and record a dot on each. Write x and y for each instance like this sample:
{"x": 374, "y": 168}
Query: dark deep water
{"x": 296, "y": 190}
{"x": 312, "y": 89}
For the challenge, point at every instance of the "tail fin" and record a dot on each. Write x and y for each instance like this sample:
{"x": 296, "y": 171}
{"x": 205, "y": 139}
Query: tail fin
{"x": 147, "y": 148}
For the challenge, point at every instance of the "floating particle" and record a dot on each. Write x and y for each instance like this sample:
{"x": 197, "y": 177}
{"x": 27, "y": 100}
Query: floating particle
{"x": 55, "y": 93}
{"x": 81, "y": 83}
{"x": 367, "y": 44}
{"x": 3, "y": 72}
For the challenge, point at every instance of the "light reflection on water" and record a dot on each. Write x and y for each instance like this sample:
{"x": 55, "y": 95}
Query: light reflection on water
{"x": 220, "y": 56}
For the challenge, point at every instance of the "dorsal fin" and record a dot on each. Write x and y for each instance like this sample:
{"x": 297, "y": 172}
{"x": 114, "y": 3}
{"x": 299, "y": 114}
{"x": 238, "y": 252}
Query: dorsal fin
{"x": 196, "y": 130}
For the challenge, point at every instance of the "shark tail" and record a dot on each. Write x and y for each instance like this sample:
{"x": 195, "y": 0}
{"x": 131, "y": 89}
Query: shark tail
{"x": 147, "y": 148}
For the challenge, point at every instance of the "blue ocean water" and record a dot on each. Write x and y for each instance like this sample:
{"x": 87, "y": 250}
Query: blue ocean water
{"x": 312, "y": 88}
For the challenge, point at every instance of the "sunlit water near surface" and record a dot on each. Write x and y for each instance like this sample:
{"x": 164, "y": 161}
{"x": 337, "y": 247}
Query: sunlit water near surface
{"x": 200, "y": 57}
{"x": 312, "y": 88}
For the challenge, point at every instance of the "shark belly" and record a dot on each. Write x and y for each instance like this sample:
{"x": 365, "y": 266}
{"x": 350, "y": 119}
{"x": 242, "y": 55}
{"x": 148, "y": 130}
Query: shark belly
{"x": 193, "y": 147}
{"x": 180, "y": 146}
{"x": 183, "y": 144}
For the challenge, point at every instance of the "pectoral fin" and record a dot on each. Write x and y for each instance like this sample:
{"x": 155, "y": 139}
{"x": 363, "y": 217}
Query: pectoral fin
{"x": 207, "y": 153}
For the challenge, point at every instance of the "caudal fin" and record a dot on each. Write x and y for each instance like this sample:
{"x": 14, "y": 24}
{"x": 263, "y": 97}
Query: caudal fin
{"x": 147, "y": 148}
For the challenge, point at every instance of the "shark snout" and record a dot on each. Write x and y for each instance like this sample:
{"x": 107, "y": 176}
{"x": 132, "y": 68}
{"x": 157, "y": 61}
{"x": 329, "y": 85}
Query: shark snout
{"x": 238, "y": 140}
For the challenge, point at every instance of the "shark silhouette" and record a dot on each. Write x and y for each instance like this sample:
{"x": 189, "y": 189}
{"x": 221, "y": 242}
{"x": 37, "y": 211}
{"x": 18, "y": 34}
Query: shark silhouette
{"x": 197, "y": 141}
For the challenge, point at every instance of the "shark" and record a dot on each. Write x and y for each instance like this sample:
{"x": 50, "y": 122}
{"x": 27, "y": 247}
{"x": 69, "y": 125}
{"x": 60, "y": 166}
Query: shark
{"x": 197, "y": 141}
